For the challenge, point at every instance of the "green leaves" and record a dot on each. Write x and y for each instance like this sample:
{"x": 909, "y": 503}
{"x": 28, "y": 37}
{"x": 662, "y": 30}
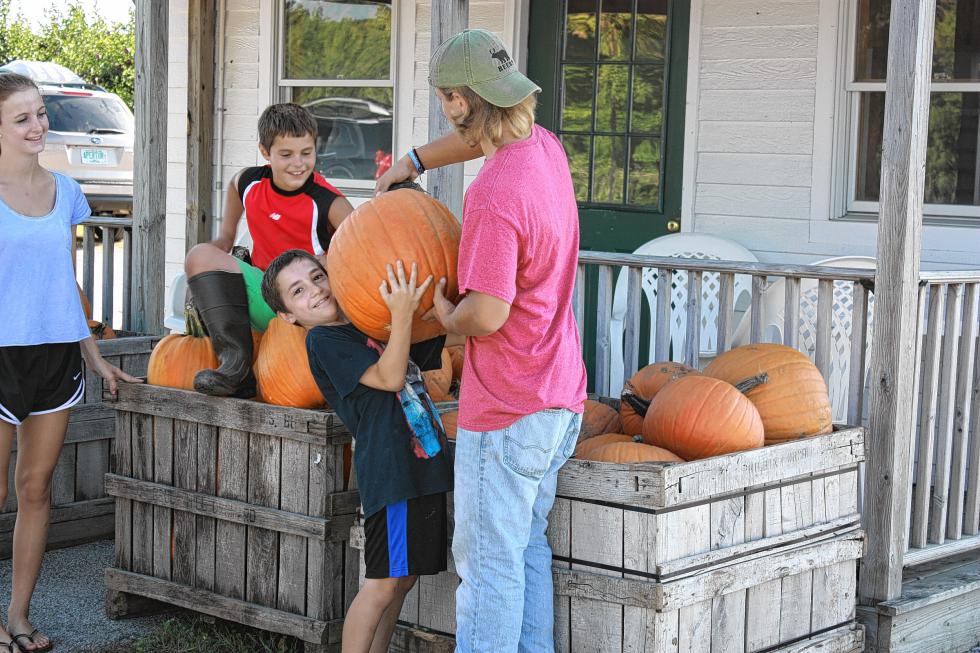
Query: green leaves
{"x": 101, "y": 53}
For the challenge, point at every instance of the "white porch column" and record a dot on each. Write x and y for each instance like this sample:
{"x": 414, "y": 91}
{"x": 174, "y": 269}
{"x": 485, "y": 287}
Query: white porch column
{"x": 893, "y": 362}
{"x": 449, "y": 17}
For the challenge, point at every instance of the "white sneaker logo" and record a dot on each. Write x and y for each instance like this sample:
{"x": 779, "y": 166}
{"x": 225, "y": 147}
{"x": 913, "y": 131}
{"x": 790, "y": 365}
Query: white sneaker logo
{"x": 75, "y": 378}
{"x": 275, "y": 216}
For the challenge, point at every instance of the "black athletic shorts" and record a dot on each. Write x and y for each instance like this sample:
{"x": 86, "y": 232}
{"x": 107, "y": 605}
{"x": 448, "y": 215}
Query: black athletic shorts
{"x": 38, "y": 379}
{"x": 408, "y": 538}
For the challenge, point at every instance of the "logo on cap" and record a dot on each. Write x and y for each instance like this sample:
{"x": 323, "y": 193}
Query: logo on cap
{"x": 503, "y": 59}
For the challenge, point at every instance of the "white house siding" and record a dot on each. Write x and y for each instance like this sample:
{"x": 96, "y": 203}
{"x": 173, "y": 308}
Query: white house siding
{"x": 760, "y": 134}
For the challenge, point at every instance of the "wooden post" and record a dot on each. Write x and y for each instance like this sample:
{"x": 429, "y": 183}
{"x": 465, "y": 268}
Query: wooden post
{"x": 449, "y": 17}
{"x": 899, "y": 243}
{"x": 150, "y": 171}
{"x": 201, "y": 31}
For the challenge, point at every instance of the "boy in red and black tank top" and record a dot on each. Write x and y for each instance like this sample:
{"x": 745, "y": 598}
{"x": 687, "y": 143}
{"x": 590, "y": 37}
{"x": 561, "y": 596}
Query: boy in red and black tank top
{"x": 288, "y": 205}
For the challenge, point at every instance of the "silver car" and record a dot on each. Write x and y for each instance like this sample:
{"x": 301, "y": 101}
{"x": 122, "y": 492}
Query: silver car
{"x": 91, "y": 140}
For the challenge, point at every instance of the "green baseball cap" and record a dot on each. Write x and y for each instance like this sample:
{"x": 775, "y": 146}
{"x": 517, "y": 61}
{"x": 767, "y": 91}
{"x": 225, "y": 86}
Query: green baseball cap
{"x": 477, "y": 58}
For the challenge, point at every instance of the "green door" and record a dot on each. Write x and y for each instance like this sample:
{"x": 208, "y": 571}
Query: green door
{"x": 613, "y": 77}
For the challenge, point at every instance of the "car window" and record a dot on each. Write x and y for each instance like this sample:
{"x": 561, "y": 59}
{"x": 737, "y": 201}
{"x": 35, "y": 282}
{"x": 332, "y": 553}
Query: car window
{"x": 68, "y": 113}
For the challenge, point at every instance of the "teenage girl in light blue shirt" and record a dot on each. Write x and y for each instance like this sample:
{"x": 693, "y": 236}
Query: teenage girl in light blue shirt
{"x": 43, "y": 337}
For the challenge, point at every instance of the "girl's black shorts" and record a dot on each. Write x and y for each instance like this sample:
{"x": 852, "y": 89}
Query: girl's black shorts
{"x": 408, "y": 538}
{"x": 38, "y": 379}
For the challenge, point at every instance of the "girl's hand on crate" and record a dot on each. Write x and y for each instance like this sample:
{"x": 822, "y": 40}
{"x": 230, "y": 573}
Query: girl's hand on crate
{"x": 102, "y": 367}
{"x": 403, "y": 295}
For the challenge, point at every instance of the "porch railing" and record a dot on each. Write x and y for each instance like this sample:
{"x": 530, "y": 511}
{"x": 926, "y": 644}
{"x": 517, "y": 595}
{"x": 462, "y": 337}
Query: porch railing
{"x": 945, "y": 495}
{"x": 113, "y": 271}
{"x": 833, "y": 310}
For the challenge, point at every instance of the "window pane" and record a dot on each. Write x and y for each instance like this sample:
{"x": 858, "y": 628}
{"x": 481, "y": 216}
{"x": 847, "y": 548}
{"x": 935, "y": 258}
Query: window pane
{"x": 578, "y": 150}
{"x": 951, "y": 158}
{"x": 651, "y": 30}
{"x": 956, "y": 53}
{"x": 611, "y": 99}
{"x": 610, "y": 163}
{"x": 337, "y": 39}
{"x": 576, "y": 114}
{"x": 648, "y": 99}
{"x": 354, "y": 129}
{"x": 580, "y": 30}
{"x": 616, "y": 30}
{"x": 644, "y": 183}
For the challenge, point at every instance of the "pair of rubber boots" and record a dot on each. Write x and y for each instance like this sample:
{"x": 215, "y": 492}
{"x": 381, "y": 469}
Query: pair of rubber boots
{"x": 222, "y": 302}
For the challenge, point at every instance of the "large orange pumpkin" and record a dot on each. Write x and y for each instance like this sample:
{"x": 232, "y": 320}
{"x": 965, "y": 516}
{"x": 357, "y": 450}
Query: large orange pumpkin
{"x": 178, "y": 357}
{"x": 643, "y": 387}
{"x": 438, "y": 382}
{"x": 634, "y": 452}
{"x": 698, "y": 417}
{"x": 586, "y": 448}
{"x": 404, "y": 225}
{"x": 283, "y": 369}
{"x": 793, "y": 402}
{"x": 598, "y": 418}
{"x": 456, "y": 353}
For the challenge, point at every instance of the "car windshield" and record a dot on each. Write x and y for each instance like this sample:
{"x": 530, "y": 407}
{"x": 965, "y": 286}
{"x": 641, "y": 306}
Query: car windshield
{"x": 87, "y": 114}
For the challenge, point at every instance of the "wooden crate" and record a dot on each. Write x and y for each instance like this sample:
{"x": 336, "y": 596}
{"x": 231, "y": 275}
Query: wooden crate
{"x": 745, "y": 552}
{"x": 81, "y": 511}
{"x": 234, "y": 509}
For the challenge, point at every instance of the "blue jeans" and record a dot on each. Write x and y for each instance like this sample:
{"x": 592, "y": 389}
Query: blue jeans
{"x": 505, "y": 488}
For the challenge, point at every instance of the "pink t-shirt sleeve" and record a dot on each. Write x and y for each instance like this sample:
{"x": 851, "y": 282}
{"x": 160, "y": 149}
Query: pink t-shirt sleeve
{"x": 488, "y": 254}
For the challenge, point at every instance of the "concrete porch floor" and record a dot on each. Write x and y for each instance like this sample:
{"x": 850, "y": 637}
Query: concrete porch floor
{"x": 68, "y": 602}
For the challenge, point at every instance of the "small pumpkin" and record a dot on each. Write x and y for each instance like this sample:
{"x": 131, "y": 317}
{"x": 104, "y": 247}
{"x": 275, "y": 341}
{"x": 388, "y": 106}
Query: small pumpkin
{"x": 643, "y": 387}
{"x": 456, "y": 354}
{"x": 282, "y": 368}
{"x": 598, "y": 418}
{"x": 793, "y": 403}
{"x": 587, "y": 448}
{"x": 405, "y": 225}
{"x": 449, "y": 420}
{"x": 634, "y": 452}
{"x": 699, "y": 417}
{"x": 438, "y": 382}
{"x": 178, "y": 357}
{"x": 101, "y": 330}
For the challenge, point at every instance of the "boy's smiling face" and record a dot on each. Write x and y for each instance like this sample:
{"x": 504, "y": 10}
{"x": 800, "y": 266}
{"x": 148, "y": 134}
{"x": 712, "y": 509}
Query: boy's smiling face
{"x": 305, "y": 292}
{"x": 292, "y": 159}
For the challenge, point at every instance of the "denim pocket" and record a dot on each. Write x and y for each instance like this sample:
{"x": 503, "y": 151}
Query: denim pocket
{"x": 530, "y": 443}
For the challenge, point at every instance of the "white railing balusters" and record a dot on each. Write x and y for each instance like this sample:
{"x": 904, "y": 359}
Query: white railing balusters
{"x": 939, "y": 499}
{"x": 603, "y": 346}
{"x": 726, "y": 310}
{"x": 825, "y": 317}
{"x": 961, "y": 408}
{"x": 791, "y": 314}
{"x": 859, "y": 347}
{"x": 692, "y": 337}
{"x": 665, "y": 293}
{"x": 631, "y": 321}
{"x": 756, "y": 316}
{"x": 108, "y": 228}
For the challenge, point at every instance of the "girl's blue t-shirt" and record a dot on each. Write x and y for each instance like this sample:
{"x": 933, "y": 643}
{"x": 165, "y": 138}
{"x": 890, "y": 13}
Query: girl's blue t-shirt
{"x": 40, "y": 302}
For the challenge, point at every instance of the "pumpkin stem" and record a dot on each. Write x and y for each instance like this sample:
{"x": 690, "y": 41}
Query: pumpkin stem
{"x": 752, "y": 382}
{"x": 192, "y": 323}
{"x": 636, "y": 402}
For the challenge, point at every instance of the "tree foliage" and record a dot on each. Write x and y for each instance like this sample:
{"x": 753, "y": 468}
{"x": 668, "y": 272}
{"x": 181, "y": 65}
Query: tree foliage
{"x": 100, "y": 52}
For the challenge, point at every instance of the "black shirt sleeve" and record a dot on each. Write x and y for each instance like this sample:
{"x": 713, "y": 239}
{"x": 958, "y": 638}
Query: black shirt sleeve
{"x": 428, "y": 353}
{"x": 247, "y": 176}
{"x": 341, "y": 356}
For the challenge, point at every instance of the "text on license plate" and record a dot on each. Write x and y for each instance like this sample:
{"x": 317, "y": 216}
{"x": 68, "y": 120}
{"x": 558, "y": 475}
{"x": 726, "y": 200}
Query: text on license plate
{"x": 95, "y": 157}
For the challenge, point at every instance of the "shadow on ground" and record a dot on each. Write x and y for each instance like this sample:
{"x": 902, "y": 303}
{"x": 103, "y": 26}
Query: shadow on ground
{"x": 68, "y": 602}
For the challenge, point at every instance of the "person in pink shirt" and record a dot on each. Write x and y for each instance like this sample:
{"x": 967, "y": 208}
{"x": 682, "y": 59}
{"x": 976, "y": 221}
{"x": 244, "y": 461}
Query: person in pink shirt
{"x": 523, "y": 385}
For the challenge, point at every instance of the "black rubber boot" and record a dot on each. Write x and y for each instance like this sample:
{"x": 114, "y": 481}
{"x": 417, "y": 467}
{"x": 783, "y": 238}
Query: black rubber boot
{"x": 222, "y": 301}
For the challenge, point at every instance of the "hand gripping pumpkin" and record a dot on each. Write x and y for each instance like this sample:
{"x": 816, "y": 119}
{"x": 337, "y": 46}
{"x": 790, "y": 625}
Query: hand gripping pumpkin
{"x": 404, "y": 225}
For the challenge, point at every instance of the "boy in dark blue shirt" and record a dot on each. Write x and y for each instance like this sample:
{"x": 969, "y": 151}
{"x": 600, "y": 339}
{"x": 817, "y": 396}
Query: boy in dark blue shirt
{"x": 402, "y": 465}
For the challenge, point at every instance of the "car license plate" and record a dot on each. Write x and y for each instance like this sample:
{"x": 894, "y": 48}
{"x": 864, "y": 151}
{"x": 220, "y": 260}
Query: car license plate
{"x": 95, "y": 157}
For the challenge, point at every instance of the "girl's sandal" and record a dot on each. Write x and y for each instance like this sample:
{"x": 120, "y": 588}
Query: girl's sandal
{"x": 10, "y": 646}
{"x": 30, "y": 637}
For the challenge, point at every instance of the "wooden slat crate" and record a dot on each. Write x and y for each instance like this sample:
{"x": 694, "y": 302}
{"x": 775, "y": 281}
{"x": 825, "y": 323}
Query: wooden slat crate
{"x": 746, "y": 552}
{"x": 81, "y": 511}
{"x": 235, "y": 509}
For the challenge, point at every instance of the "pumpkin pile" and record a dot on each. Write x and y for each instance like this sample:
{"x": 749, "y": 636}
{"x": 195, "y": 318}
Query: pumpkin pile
{"x": 748, "y": 397}
{"x": 405, "y": 225}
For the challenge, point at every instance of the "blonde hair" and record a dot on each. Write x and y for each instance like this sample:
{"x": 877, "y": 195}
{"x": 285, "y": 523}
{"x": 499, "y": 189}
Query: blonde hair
{"x": 485, "y": 121}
